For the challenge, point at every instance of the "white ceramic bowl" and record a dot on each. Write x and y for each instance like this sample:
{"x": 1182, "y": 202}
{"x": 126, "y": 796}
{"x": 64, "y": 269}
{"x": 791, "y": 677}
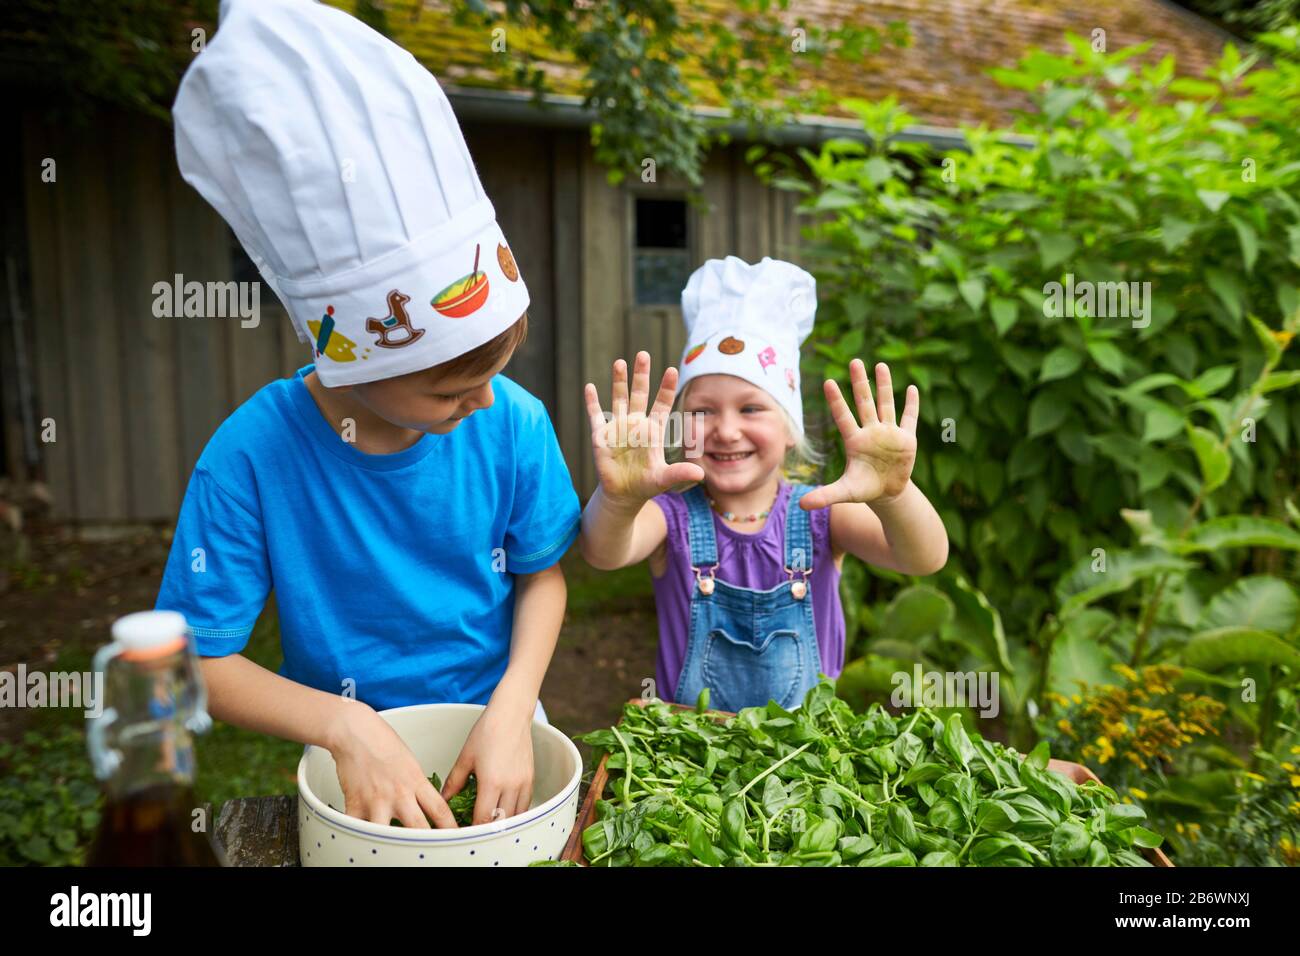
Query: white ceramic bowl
{"x": 435, "y": 733}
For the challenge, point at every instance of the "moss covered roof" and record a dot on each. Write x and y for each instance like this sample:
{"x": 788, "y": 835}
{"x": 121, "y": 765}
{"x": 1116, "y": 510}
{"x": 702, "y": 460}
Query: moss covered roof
{"x": 941, "y": 77}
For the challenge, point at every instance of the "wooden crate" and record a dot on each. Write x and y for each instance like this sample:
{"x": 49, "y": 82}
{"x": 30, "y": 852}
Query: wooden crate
{"x": 587, "y": 812}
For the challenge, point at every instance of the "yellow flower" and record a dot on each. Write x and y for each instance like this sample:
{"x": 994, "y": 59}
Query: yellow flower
{"x": 1140, "y": 794}
{"x": 1117, "y": 728}
{"x": 1290, "y": 853}
{"x": 1179, "y": 827}
{"x": 1064, "y": 726}
{"x": 1105, "y": 749}
{"x": 1282, "y": 338}
{"x": 1288, "y": 767}
{"x": 1295, "y": 781}
{"x": 1255, "y": 776}
{"x": 1296, "y": 749}
{"x": 1126, "y": 672}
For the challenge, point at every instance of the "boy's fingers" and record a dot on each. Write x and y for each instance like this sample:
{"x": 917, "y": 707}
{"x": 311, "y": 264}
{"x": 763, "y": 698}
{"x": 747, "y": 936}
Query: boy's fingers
{"x": 435, "y": 808}
{"x": 862, "y": 393}
{"x": 381, "y": 812}
{"x": 412, "y": 817}
{"x": 487, "y": 800}
{"x": 840, "y": 413}
{"x": 911, "y": 410}
{"x": 523, "y": 798}
{"x": 456, "y": 778}
{"x": 618, "y": 395}
{"x": 640, "y": 382}
{"x": 885, "y": 391}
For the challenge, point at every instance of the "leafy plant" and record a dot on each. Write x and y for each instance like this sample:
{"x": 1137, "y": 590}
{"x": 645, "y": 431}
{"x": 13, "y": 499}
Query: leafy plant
{"x": 822, "y": 786}
{"x": 49, "y": 801}
{"x": 1057, "y": 436}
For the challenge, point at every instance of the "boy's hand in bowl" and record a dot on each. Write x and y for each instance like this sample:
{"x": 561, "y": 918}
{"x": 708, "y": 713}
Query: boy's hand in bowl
{"x": 380, "y": 777}
{"x": 499, "y": 752}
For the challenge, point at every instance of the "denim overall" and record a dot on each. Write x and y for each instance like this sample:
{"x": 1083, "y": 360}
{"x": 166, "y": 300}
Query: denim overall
{"x": 749, "y": 646}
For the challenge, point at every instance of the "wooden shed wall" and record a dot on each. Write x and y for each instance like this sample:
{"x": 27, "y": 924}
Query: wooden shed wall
{"x": 135, "y": 398}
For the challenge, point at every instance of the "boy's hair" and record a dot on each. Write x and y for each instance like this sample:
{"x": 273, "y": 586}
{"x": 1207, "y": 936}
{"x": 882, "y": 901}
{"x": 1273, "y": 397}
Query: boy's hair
{"x": 802, "y": 462}
{"x": 483, "y": 359}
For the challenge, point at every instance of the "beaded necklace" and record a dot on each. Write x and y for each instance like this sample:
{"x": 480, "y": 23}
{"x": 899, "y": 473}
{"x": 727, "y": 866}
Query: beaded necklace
{"x": 731, "y": 516}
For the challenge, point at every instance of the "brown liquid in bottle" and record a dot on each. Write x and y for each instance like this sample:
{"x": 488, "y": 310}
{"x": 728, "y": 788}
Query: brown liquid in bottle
{"x": 152, "y": 827}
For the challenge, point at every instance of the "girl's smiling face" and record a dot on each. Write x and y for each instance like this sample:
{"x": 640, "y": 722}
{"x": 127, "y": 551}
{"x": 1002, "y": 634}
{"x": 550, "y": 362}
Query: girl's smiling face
{"x": 740, "y": 430}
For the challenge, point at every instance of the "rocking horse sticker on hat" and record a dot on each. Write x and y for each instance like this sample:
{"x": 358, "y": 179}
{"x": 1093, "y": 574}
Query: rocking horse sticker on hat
{"x": 395, "y": 329}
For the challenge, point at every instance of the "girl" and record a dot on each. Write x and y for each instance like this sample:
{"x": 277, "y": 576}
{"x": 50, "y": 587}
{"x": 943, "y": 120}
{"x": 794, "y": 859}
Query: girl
{"x": 746, "y": 564}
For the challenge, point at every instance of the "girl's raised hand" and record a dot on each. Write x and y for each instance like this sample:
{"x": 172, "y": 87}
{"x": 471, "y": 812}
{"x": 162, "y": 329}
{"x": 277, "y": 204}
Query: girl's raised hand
{"x": 629, "y": 445}
{"x": 879, "y": 454}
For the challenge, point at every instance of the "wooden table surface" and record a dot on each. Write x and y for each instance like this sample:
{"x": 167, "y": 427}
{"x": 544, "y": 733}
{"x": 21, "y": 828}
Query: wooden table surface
{"x": 263, "y": 831}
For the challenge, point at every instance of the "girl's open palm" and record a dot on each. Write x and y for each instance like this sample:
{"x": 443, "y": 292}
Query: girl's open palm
{"x": 879, "y": 454}
{"x": 629, "y": 447}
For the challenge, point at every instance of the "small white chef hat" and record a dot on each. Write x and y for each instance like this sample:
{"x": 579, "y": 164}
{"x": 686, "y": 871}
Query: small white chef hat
{"x": 749, "y": 321}
{"x": 337, "y": 161}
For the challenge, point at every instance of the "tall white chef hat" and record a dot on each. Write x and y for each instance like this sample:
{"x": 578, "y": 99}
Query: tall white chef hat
{"x": 337, "y": 161}
{"x": 749, "y": 321}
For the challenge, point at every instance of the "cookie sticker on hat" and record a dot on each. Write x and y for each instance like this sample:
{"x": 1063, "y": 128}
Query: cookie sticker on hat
{"x": 507, "y": 262}
{"x": 464, "y": 296}
{"x": 395, "y": 330}
{"x": 731, "y": 346}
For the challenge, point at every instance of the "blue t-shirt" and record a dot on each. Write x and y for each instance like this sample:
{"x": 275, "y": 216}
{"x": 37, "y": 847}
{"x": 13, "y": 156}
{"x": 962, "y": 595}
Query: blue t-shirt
{"x": 394, "y": 571}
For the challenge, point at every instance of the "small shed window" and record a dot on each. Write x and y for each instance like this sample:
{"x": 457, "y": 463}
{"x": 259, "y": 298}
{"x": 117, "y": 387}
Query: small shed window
{"x": 661, "y": 257}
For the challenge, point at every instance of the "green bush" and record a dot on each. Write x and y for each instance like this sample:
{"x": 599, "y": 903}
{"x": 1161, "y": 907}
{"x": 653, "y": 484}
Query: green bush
{"x": 1044, "y": 428}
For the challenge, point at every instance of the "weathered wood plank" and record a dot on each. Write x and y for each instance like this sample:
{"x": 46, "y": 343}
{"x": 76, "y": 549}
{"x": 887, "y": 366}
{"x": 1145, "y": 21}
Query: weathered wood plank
{"x": 605, "y": 293}
{"x": 203, "y": 382}
{"x": 88, "y": 342}
{"x": 753, "y": 222}
{"x": 254, "y": 349}
{"x": 713, "y": 226}
{"x": 515, "y": 168}
{"x": 146, "y": 341}
{"x": 41, "y": 142}
{"x": 570, "y": 412}
{"x": 259, "y": 831}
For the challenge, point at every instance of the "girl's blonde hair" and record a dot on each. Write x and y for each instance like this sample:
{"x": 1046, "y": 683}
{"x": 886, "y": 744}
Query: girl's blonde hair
{"x": 802, "y": 462}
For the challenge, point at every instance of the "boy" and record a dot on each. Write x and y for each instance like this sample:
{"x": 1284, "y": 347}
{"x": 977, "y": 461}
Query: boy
{"x": 406, "y": 502}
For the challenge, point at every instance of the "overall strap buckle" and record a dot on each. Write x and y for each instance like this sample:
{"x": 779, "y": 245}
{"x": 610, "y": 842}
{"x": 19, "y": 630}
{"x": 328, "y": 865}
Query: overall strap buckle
{"x": 706, "y": 584}
{"x": 799, "y": 588}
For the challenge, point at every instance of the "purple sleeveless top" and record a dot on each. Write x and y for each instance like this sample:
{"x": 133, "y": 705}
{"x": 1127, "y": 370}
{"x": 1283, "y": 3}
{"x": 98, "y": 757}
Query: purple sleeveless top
{"x": 747, "y": 560}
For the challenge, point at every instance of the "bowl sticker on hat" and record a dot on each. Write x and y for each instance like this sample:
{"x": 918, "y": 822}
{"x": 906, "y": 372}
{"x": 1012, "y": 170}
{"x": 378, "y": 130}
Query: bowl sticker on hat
{"x": 731, "y": 346}
{"x": 695, "y": 352}
{"x": 329, "y": 342}
{"x": 507, "y": 262}
{"x": 766, "y": 358}
{"x": 464, "y": 296}
{"x": 395, "y": 329}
